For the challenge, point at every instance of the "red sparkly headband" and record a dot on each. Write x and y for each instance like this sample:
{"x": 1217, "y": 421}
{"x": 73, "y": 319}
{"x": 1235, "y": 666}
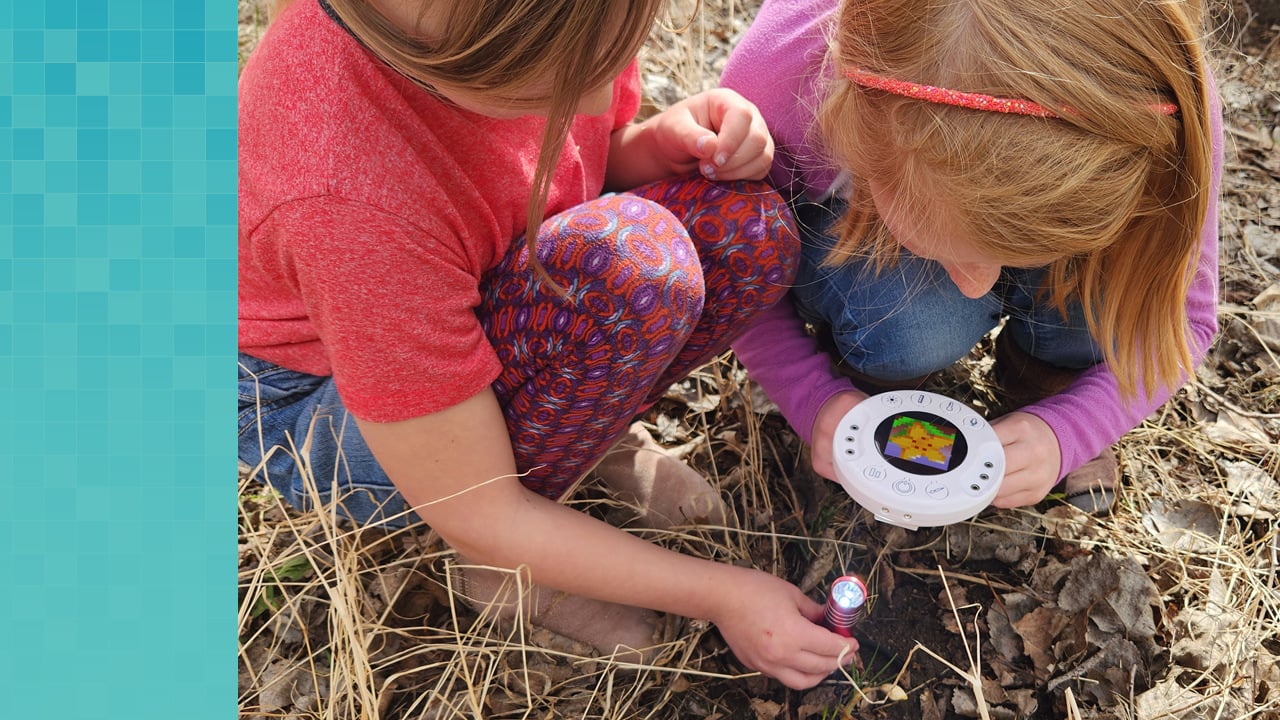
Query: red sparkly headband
{"x": 974, "y": 101}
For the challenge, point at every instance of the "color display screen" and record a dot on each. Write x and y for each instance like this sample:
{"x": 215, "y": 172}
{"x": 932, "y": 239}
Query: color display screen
{"x": 920, "y": 443}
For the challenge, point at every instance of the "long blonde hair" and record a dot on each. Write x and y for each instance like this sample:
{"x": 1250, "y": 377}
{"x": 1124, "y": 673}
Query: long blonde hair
{"x": 494, "y": 49}
{"x": 1111, "y": 198}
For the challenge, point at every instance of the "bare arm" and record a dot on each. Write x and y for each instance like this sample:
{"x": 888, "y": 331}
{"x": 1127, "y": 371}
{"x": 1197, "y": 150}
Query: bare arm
{"x": 457, "y": 470}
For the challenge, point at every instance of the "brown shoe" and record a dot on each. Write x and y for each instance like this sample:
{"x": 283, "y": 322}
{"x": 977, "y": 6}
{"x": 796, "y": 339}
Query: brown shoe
{"x": 662, "y": 489}
{"x": 1092, "y": 486}
{"x": 1023, "y": 378}
{"x": 626, "y": 633}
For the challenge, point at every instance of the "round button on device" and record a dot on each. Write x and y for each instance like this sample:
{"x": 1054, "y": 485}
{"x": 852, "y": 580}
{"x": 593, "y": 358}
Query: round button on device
{"x": 954, "y": 456}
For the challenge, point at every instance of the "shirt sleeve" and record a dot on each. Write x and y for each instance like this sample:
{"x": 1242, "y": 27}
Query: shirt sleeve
{"x": 780, "y": 65}
{"x": 789, "y": 367}
{"x": 394, "y": 307}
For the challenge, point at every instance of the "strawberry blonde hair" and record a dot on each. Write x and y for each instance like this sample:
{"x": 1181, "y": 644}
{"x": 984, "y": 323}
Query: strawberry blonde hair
{"x": 495, "y": 49}
{"x": 1110, "y": 197}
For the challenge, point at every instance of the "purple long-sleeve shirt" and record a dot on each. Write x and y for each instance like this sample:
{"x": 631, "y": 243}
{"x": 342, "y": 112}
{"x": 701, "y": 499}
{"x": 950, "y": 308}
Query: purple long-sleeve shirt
{"x": 779, "y": 65}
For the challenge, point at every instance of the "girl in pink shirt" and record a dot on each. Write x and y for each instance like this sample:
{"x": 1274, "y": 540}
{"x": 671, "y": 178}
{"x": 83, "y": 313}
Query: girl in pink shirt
{"x": 957, "y": 165}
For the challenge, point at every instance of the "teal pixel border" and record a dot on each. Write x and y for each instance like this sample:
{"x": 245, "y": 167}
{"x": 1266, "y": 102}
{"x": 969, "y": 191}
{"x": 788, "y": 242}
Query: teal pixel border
{"x": 117, "y": 338}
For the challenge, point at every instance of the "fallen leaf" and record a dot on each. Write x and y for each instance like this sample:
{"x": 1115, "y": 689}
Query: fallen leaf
{"x": 1265, "y": 320}
{"x": 1025, "y": 700}
{"x": 1038, "y": 630}
{"x": 760, "y": 403}
{"x": 1007, "y": 642}
{"x": 1090, "y": 579}
{"x": 1255, "y": 492}
{"x": 1167, "y": 699}
{"x": 1132, "y": 601}
{"x": 1232, "y": 429}
{"x": 822, "y": 563}
{"x": 283, "y": 681}
{"x": 1010, "y": 538}
{"x": 929, "y": 709}
{"x": 1184, "y": 525}
{"x": 963, "y": 702}
{"x": 1096, "y": 676}
{"x": 819, "y": 702}
{"x": 765, "y": 709}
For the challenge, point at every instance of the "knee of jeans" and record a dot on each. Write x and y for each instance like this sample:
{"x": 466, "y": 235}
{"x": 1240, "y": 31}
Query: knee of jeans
{"x": 1064, "y": 347}
{"x": 916, "y": 366}
{"x": 895, "y": 362}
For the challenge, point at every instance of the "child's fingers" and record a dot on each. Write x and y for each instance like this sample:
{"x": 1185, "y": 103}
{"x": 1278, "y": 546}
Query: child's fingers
{"x": 743, "y": 147}
{"x": 751, "y": 161}
{"x": 734, "y": 135}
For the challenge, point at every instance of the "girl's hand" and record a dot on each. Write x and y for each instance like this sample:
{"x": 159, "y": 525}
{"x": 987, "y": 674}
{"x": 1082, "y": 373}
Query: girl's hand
{"x": 824, "y": 430}
{"x": 1032, "y": 459}
{"x": 716, "y": 132}
{"x": 772, "y": 627}
{"x": 719, "y": 132}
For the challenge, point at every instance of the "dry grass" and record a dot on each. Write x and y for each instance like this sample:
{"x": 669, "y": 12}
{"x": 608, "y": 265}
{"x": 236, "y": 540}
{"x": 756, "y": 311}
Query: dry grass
{"x": 340, "y": 622}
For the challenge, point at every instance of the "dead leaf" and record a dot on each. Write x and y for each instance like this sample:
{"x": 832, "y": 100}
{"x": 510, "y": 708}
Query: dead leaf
{"x": 1266, "y": 318}
{"x": 1232, "y": 429}
{"x": 765, "y": 709}
{"x": 822, "y": 563}
{"x": 1184, "y": 525}
{"x": 886, "y": 580}
{"x": 819, "y": 701}
{"x": 1167, "y": 699}
{"x": 963, "y": 702}
{"x": 952, "y": 597}
{"x": 1006, "y": 641}
{"x": 1255, "y": 492}
{"x": 1025, "y": 700}
{"x": 1094, "y": 677}
{"x": 1132, "y": 601}
{"x": 992, "y": 691}
{"x": 929, "y": 709}
{"x": 760, "y": 403}
{"x": 1091, "y": 578}
{"x": 282, "y": 683}
{"x": 1007, "y": 537}
{"x": 1051, "y": 573}
{"x": 1038, "y": 630}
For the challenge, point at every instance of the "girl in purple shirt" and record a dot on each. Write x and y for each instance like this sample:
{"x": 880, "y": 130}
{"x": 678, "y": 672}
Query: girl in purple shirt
{"x": 959, "y": 165}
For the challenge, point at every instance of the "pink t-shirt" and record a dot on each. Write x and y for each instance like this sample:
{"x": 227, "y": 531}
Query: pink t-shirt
{"x": 370, "y": 209}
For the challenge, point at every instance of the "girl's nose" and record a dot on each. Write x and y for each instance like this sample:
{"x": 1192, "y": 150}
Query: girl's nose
{"x": 973, "y": 280}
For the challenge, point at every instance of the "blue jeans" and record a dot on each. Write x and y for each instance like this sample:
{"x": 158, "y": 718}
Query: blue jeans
{"x": 911, "y": 320}
{"x": 290, "y": 420}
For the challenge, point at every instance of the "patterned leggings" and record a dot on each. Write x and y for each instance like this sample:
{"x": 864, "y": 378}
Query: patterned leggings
{"x": 659, "y": 280}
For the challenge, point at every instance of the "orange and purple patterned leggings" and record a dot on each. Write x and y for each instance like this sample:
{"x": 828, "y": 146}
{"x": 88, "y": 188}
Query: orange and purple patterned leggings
{"x": 659, "y": 280}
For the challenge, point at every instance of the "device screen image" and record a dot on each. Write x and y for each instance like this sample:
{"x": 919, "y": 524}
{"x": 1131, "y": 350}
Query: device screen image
{"x": 920, "y": 443}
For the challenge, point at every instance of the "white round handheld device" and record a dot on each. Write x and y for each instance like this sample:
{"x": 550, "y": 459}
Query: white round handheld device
{"x": 916, "y": 458}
